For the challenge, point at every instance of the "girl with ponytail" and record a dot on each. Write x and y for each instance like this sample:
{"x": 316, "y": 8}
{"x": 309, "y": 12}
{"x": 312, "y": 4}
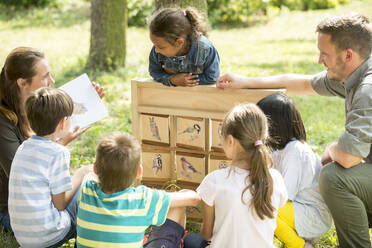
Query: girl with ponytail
{"x": 181, "y": 55}
{"x": 241, "y": 202}
{"x": 305, "y": 217}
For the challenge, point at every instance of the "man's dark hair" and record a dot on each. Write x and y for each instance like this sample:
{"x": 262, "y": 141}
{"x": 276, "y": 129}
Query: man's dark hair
{"x": 352, "y": 31}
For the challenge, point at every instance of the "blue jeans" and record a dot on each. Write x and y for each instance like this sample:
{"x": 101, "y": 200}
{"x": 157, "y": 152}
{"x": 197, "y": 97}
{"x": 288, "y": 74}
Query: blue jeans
{"x": 195, "y": 240}
{"x": 5, "y": 221}
{"x": 71, "y": 209}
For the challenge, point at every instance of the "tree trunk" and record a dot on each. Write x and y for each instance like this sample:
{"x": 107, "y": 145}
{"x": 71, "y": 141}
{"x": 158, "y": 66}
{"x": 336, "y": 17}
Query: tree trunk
{"x": 200, "y": 5}
{"x": 108, "y": 34}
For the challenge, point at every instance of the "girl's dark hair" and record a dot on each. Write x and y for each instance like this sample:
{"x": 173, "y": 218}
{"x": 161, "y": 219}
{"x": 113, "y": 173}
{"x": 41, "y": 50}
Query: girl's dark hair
{"x": 284, "y": 118}
{"x": 247, "y": 124}
{"x": 20, "y": 63}
{"x": 173, "y": 23}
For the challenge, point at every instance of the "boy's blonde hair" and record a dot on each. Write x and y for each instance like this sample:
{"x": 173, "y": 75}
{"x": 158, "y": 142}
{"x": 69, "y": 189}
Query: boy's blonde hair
{"x": 117, "y": 161}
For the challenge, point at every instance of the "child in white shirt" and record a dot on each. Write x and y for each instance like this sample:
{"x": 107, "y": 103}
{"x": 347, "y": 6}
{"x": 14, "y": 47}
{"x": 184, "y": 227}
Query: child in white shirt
{"x": 305, "y": 217}
{"x": 241, "y": 202}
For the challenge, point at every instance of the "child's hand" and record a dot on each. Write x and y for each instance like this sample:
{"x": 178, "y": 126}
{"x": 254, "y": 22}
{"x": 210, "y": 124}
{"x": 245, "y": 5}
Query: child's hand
{"x": 169, "y": 71}
{"x": 71, "y": 135}
{"x": 185, "y": 79}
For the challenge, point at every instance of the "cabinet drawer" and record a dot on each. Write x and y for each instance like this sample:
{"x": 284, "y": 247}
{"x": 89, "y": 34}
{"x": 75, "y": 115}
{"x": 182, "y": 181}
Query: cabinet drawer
{"x": 157, "y": 165}
{"x": 154, "y": 129}
{"x": 216, "y": 135}
{"x": 190, "y": 133}
{"x": 218, "y": 162}
{"x": 190, "y": 167}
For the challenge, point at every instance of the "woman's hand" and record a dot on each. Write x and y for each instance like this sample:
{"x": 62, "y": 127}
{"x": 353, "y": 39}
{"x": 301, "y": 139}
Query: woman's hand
{"x": 99, "y": 89}
{"x": 71, "y": 135}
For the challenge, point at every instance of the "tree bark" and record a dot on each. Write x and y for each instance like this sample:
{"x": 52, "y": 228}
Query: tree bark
{"x": 108, "y": 34}
{"x": 200, "y": 5}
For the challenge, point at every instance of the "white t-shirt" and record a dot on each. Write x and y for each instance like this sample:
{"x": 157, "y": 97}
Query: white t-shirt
{"x": 236, "y": 224}
{"x": 39, "y": 170}
{"x": 300, "y": 168}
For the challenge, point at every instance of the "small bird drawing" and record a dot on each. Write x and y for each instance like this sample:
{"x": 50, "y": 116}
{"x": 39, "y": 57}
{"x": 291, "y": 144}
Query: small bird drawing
{"x": 157, "y": 164}
{"x": 222, "y": 164}
{"x": 220, "y": 133}
{"x": 154, "y": 128}
{"x": 79, "y": 109}
{"x": 193, "y": 131}
{"x": 187, "y": 168}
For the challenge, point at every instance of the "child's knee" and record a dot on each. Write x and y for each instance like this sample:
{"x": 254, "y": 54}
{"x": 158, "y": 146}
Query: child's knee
{"x": 177, "y": 215}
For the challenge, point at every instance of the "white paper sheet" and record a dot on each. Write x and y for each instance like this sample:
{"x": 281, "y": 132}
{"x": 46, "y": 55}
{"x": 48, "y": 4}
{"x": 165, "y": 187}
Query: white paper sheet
{"x": 88, "y": 106}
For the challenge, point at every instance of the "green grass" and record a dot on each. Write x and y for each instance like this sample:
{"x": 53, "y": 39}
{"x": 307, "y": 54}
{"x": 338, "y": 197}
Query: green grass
{"x": 286, "y": 43}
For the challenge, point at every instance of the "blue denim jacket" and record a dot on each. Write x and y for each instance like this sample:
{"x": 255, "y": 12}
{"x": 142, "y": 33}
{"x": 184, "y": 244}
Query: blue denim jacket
{"x": 202, "y": 59}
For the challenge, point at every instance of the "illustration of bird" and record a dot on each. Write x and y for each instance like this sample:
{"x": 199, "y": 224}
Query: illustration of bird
{"x": 222, "y": 164}
{"x": 187, "y": 168}
{"x": 79, "y": 109}
{"x": 154, "y": 128}
{"x": 157, "y": 164}
{"x": 193, "y": 131}
{"x": 220, "y": 133}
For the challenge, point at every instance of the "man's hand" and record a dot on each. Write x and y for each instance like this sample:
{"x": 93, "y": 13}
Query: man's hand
{"x": 345, "y": 159}
{"x": 229, "y": 80}
{"x": 184, "y": 79}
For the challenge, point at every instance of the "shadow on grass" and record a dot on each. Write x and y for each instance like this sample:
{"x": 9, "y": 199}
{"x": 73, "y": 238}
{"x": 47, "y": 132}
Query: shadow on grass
{"x": 54, "y": 17}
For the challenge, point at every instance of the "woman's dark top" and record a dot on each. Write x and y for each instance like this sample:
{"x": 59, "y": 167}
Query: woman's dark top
{"x": 10, "y": 139}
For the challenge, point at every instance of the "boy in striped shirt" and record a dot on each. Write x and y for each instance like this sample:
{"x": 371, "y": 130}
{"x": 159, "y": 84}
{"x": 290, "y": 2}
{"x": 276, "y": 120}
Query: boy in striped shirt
{"x": 113, "y": 213}
{"x": 42, "y": 194}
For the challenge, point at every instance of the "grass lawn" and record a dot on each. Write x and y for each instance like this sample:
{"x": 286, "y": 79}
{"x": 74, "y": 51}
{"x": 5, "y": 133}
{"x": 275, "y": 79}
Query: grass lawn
{"x": 286, "y": 43}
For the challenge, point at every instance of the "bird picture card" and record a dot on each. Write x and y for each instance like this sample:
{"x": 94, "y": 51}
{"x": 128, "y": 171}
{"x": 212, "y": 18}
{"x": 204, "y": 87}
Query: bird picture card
{"x": 216, "y": 135}
{"x": 190, "y": 132}
{"x": 155, "y": 128}
{"x": 88, "y": 106}
{"x": 218, "y": 162}
{"x": 190, "y": 167}
{"x": 156, "y": 165}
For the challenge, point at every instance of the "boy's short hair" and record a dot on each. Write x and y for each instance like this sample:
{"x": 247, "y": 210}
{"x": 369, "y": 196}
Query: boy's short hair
{"x": 117, "y": 161}
{"x": 46, "y": 107}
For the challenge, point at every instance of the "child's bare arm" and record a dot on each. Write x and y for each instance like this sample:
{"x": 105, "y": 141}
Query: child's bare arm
{"x": 60, "y": 201}
{"x": 184, "y": 198}
{"x": 208, "y": 222}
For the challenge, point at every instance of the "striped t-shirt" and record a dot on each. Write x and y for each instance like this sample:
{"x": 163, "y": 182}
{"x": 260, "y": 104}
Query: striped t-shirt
{"x": 39, "y": 170}
{"x": 119, "y": 219}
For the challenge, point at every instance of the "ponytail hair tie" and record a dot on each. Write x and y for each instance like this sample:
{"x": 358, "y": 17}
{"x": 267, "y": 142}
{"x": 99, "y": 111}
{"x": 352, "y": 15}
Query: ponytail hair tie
{"x": 258, "y": 143}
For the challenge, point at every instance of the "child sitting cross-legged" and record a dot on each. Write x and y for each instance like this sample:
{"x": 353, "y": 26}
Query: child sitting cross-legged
{"x": 113, "y": 213}
{"x": 42, "y": 194}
